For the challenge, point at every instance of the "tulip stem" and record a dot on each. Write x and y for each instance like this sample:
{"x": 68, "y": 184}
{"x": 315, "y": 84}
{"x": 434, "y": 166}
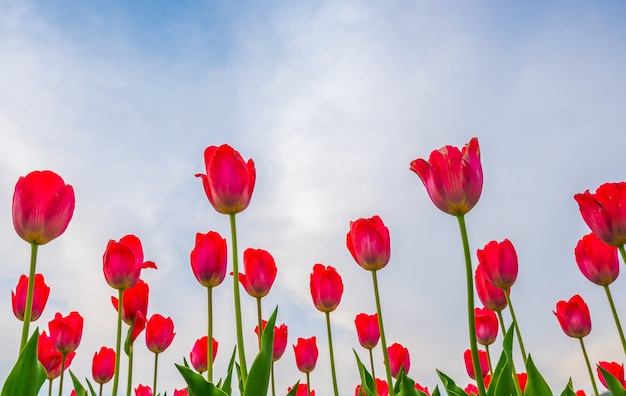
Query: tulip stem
{"x": 240, "y": 346}
{"x": 209, "y": 341}
{"x": 489, "y": 360}
{"x": 118, "y": 343}
{"x": 63, "y": 356}
{"x": 470, "y": 304}
{"x": 156, "y": 366}
{"x": 308, "y": 384}
{"x": 593, "y": 381}
{"x": 129, "y": 384}
{"x": 100, "y": 392}
{"x": 519, "y": 335}
{"x": 273, "y": 386}
{"x": 259, "y": 319}
{"x": 29, "y": 295}
{"x": 383, "y": 341}
{"x": 372, "y": 363}
{"x": 623, "y": 252}
{"x": 332, "y": 356}
{"x": 617, "y": 322}
{"x": 50, "y": 386}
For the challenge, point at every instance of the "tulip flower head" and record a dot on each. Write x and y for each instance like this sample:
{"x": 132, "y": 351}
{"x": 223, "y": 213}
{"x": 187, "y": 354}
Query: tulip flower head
{"x": 43, "y": 206}
{"x": 499, "y": 261}
{"x": 616, "y": 369}
{"x": 381, "y": 388}
{"x": 180, "y": 392}
{"x": 367, "y": 330}
{"x": 491, "y": 296}
{"x": 453, "y": 178}
{"x": 40, "y": 297}
{"x": 369, "y": 243}
{"x": 143, "y": 390}
{"x": 123, "y": 262}
{"x": 605, "y": 212}
{"x": 486, "y": 322}
{"x": 302, "y": 390}
{"x": 469, "y": 365}
{"x": 306, "y": 354}
{"x": 134, "y": 301}
{"x": 50, "y": 358}
{"x": 596, "y": 260}
{"x": 159, "y": 333}
{"x": 574, "y": 317}
{"x": 471, "y": 390}
{"x": 398, "y": 359}
{"x": 198, "y": 355}
{"x": 103, "y": 365}
{"x": 422, "y": 389}
{"x": 209, "y": 259}
{"x": 326, "y": 287}
{"x": 280, "y": 339}
{"x": 229, "y": 180}
{"x": 260, "y": 272}
{"x": 66, "y": 332}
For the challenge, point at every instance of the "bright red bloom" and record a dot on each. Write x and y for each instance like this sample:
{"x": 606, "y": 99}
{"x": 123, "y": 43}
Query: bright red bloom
{"x": 159, "y": 333}
{"x": 499, "y": 260}
{"x": 40, "y": 297}
{"x": 209, "y": 259}
{"x": 453, "y": 178}
{"x": 143, "y": 390}
{"x": 123, "y": 261}
{"x": 471, "y": 390}
{"x": 229, "y": 180}
{"x": 580, "y": 393}
{"x": 326, "y": 287}
{"x": 66, "y": 332}
{"x": 302, "y": 390}
{"x": 522, "y": 378}
{"x": 369, "y": 243}
{"x": 422, "y": 388}
{"x": 50, "y": 358}
{"x": 486, "y": 325}
{"x": 367, "y": 330}
{"x": 597, "y": 260}
{"x": 280, "y": 339}
{"x": 574, "y": 317}
{"x": 616, "y": 369}
{"x": 398, "y": 358}
{"x": 381, "y": 388}
{"x": 199, "y": 354}
{"x": 469, "y": 365}
{"x": 260, "y": 272}
{"x": 103, "y": 365}
{"x": 134, "y": 300}
{"x": 306, "y": 354}
{"x": 181, "y": 392}
{"x": 605, "y": 212}
{"x": 492, "y": 297}
{"x": 43, "y": 206}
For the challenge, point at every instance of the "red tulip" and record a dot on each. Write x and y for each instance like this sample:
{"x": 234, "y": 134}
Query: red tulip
{"x": 143, "y": 390}
{"x": 134, "y": 300}
{"x": 398, "y": 358}
{"x": 66, "y": 332}
{"x": 580, "y": 393}
{"x": 367, "y": 330}
{"x": 306, "y": 354}
{"x": 40, "y": 297}
{"x": 280, "y": 339}
{"x": 492, "y": 297}
{"x": 229, "y": 180}
{"x": 369, "y": 243}
{"x": 499, "y": 261}
{"x": 422, "y": 389}
{"x": 181, "y": 392}
{"x": 43, "y": 206}
{"x": 486, "y": 325}
{"x": 573, "y": 315}
{"x": 616, "y": 369}
{"x": 209, "y": 259}
{"x": 469, "y": 365}
{"x": 522, "y": 378}
{"x": 50, "y": 358}
{"x": 381, "y": 389}
{"x": 103, "y": 365}
{"x": 597, "y": 260}
{"x": 471, "y": 390}
{"x": 453, "y": 178}
{"x": 123, "y": 261}
{"x": 198, "y": 355}
{"x": 302, "y": 390}
{"x": 326, "y": 288}
{"x": 159, "y": 333}
{"x": 605, "y": 212}
{"x": 260, "y": 272}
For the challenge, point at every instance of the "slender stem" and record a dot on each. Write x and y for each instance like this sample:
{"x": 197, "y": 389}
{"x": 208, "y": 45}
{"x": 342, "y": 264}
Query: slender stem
{"x": 470, "y": 305}
{"x": 617, "y": 322}
{"x": 489, "y": 360}
{"x": 273, "y": 386}
{"x": 259, "y": 319}
{"x": 118, "y": 343}
{"x": 100, "y": 392}
{"x": 519, "y": 335}
{"x": 308, "y": 384}
{"x": 372, "y": 362}
{"x": 156, "y": 366}
{"x": 29, "y": 295}
{"x": 518, "y": 389}
{"x": 332, "y": 356}
{"x": 64, "y": 355}
{"x": 209, "y": 349}
{"x": 383, "y": 341}
{"x": 50, "y": 387}
{"x": 129, "y": 384}
{"x": 623, "y": 252}
{"x": 593, "y": 381}
{"x": 240, "y": 346}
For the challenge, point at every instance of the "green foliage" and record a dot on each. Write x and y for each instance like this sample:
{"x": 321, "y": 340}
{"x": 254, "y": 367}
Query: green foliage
{"x": 367, "y": 382}
{"x": 614, "y": 385}
{"x": 450, "y": 386}
{"x": 197, "y": 385}
{"x": 502, "y": 380}
{"x": 294, "y": 389}
{"x": 28, "y": 375}
{"x": 536, "y": 384}
{"x": 78, "y": 387}
{"x": 569, "y": 389}
{"x": 258, "y": 379}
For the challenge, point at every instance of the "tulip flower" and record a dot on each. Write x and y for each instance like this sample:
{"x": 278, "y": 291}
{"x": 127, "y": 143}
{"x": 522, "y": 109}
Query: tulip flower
{"x": 367, "y": 330}
{"x": 143, "y": 390}
{"x": 103, "y": 366}
{"x": 39, "y": 300}
{"x": 381, "y": 389}
{"x": 422, "y": 389}
{"x": 398, "y": 359}
{"x": 134, "y": 300}
{"x": 486, "y": 326}
{"x": 616, "y": 369}
{"x": 306, "y": 354}
{"x": 499, "y": 261}
{"x": 159, "y": 333}
{"x": 469, "y": 365}
{"x": 522, "y": 378}
{"x": 471, "y": 390}
{"x": 50, "y": 358}
{"x": 597, "y": 261}
{"x": 302, "y": 390}
{"x": 198, "y": 355}
{"x": 492, "y": 297}
{"x": 260, "y": 273}
{"x": 369, "y": 243}
{"x": 123, "y": 262}
{"x": 209, "y": 259}
{"x": 326, "y": 288}
{"x": 280, "y": 339}
{"x": 66, "y": 332}
{"x": 605, "y": 212}
{"x": 180, "y": 392}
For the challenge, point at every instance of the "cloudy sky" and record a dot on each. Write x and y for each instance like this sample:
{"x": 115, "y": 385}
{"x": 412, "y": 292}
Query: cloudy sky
{"x": 332, "y": 100}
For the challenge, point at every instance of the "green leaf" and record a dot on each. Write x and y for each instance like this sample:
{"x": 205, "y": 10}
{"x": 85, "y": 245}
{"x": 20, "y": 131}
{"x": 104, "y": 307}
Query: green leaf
{"x": 569, "y": 389}
{"x": 614, "y": 385}
{"x": 259, "y": 377}
{"x": 226, "y": 386}
{"x": 197, "y": 385}
{"x": 405, "y": 386}
{"x": 536, "y": 384}
{"x": 436, "y": 391}
{"x": 502, "y": 380}
{"x": 450, "y": 386}
{"x": 367, "y": 382}
{"x": 78, "y": 387}
{"x": 28, "y": 375}
{"x": 294, "y": 389}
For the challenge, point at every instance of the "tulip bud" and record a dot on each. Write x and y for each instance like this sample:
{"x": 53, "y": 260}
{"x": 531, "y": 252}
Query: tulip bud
{"x": 280, "y": 339}
{"x": 123, "y": 262}
{"x": 209, "y": 259}
{"x": 486, "y": 325}
{"x": 326, "y": 288}
{"x": 596, "y": 260}
{"x": 40, "y": 297}
{"x": 369, "y": 243}
{"x": 306, "y": 354}
{"x": 574, "y": 317}
{"x": 367, "y": 330}
{"x": 159, "y": 333}
{"x": 260, "y": 272}
{"x": 469, "y": 365}
{"x": 199, "y": 354}
{"x": 499, "y": 261}
{"x": 398, "y": 359}
{"x": 103, "y": 365}
{"x": 66, "y": 332}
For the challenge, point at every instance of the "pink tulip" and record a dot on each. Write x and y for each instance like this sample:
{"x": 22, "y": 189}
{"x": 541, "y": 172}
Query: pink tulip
{"x": 486, "y": 325}
{"x": 326, "y": 288}
{"x": 605, "y": 212}
{"x": 209, "y": 259}
{"x": 398, "y": 359}
{"x": 367, "y": 330}
{"x": 159, "y": 333}
{"x": 40, "y": 297}
{"x": 123, "y": 261}
{"x": 596, "y": 260}
{"x": 573, "y": 316}
{"x": 306, "y": 354}
{"x": 260, "y": 272}
{"x": 499, "y": 260}
{"x": 66, "y": 332}
{"x": 103, "y": 365}
{"x": 369, "y": 243}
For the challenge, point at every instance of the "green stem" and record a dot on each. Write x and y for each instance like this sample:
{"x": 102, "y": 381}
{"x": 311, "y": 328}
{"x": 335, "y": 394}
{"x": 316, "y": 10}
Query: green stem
{"x": 470, "y": 305}
{"x": 240, "y": 346}
{"x": 273, "y": 386}
{"x": 372, "y": 362}
{"x": 129, "y": 384}
{"x": 308, "y": 384}
{"x": 383, "y": 340}
{"x": 118, "y": 343}
{"x": 64, "y": 355}
{"x": 209, "y": 349}
{"x": 259, "y": 319}
{"x": 50, "y": 387}
{"x": 29, "y": 295}
{"x": 100, "y": 392}
{"x": 332, "y": 356}
{"x": 489, "y": 360}
{"x": 593, "y": 381}
{"x": 615, "y": 317}
{"x": 519, "y": 335}
{"x": 156, "y": 366}
{"x": 623, "y": 252}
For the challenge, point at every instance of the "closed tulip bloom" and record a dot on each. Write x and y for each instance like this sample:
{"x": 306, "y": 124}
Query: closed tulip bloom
{"x": 180, "y": 392}
{"x": 398, "y": 358}
{"x": 159, "y": 333}
{"x": 43, "y": 206}
{"x": 522, "y": 378}
{"x": 229, "y": 180}
{"x": 422, "y": 389}
{"x": 596, "y": 260}
{"x": 616, "y": 369}
{"x": 209, "y": 259}
{"x": 40, "y": 297}
{"x": 453, "y": 178}
{"x": 326, "y": 288}
{"x": 381, "y": 388}
{"x": 491, "y": 296}
{"x": 134, "y": 300}
{"x": 469, "y": 365}
{"x": 486, "y": 325}
{"x": 574, "y": 317}
{"x": 199, "y": 354}
{"x": 605, "y": 212}
{"x": 302, "y": 390}
{"x": 143, "y": 390}
{"x": 306, "y": 354}
{"x": 50, "y": 358}
{"x": 260, "y": 272}
{"x": 103, "y": 365}
{"x": 280, "y": 339}
{"x": 123, "y": 261}
{"x": 66, "y": 332}
{"x": 499, "y": 260}
{"x": 367, "y": 330}
{"x": 369, "y": 243}
{"x": 471, "y": 390}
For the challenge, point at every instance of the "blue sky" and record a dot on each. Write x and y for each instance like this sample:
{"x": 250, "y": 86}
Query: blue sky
{"x": 332, "y": 101}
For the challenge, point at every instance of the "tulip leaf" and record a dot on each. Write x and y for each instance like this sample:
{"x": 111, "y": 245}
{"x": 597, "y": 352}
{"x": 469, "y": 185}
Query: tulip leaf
{"x": 436, "y": 391}
{"x": 452, "y": 388}
{"x": 226, "y": 386}
{"x": 258, "y": 380}
{"x": 536, "y": 384}
{"x": 569, "y": 389}
{"x": 28, "y": 375}
{"x": 367, "y": 382}
{"x": 615, "y": 386}
{"x": 78, "y": 387}
{"x": 294, "y": 389}
{"x": 502, "y": 380}
{"x": 197, "y": 385}
{"x": 405, "y": 386}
